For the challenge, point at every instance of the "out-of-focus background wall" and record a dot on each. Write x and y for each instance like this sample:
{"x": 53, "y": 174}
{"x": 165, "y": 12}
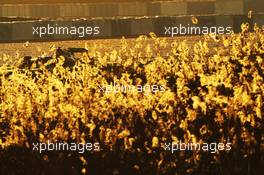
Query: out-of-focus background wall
{"x": 118, "y": 18}
{"x": 111, "y": 8}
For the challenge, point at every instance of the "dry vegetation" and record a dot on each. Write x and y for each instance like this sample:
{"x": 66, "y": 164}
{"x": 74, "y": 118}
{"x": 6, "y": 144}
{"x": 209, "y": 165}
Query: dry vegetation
{"x": 213, "y": 94}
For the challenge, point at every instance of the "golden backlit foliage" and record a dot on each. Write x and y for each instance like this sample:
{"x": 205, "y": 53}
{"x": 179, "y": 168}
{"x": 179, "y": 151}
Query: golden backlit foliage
{"x": 211, "y": 92}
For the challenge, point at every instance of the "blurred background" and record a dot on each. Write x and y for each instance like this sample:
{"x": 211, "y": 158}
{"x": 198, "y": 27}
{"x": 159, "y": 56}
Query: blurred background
{"x": 119, "y": 18}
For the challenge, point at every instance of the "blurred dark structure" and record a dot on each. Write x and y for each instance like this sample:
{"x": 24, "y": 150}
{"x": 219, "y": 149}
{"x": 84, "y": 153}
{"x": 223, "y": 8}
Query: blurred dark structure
{"x": 121, "y": 17}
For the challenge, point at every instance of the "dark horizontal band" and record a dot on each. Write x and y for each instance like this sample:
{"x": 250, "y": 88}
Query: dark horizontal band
{"x": 132, "y": 8}
{"x": 117, "y": 27}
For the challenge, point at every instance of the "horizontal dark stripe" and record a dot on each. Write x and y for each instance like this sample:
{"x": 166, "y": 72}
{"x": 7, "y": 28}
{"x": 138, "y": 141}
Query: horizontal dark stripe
{"x": 200, "y": 8}
{"x": 6, "y": 32}
{"x": 65, "y": 1}
{"x": 116, "y": 28}
{"x": 139, "y": 8}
